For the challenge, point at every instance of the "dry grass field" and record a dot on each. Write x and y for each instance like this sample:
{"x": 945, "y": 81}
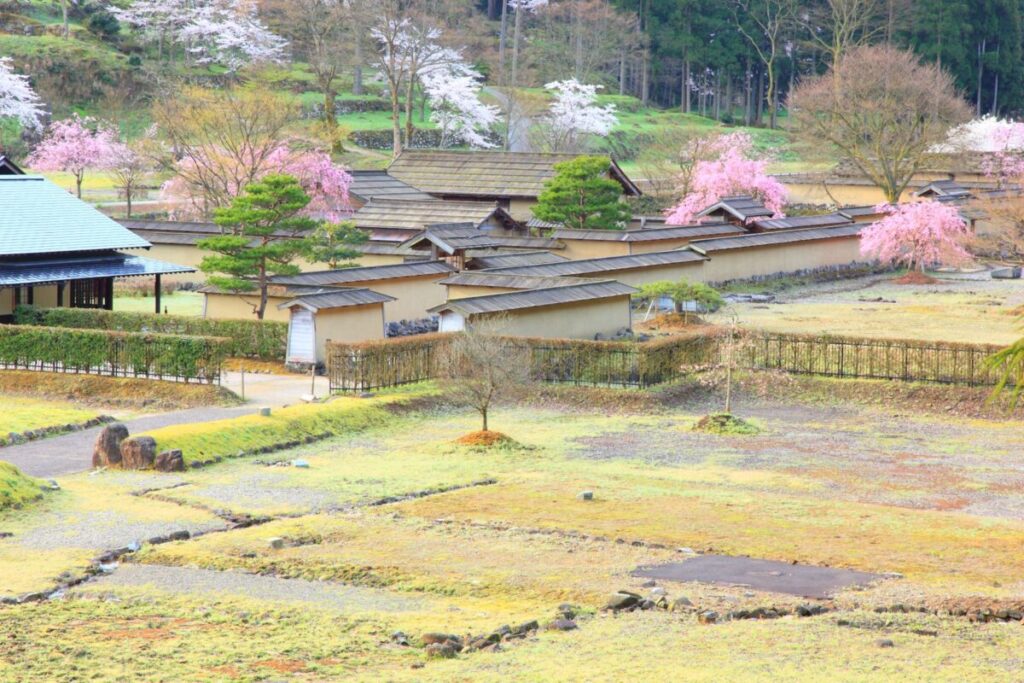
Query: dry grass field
{"x": 955, "y": 309}
{"x": 307, "y": 573}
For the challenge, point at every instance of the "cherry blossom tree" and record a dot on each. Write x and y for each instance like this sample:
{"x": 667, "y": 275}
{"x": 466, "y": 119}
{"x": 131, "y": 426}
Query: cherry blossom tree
{"x": 574, "y": 115}
{"x": 917, "y": 235}
{"x": 1001, "y": 141}
{"x": 454, "y": 95}
{"x": 326, "y": 183}
{"x": 225, "y": 32}
{"x": 727, "y": 166}
{"x": 17, "y": 98}
{"x": 75, "y": 145}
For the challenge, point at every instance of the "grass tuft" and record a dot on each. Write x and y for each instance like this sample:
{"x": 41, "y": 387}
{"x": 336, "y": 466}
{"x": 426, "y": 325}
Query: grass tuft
{"x": 726, "y": 424}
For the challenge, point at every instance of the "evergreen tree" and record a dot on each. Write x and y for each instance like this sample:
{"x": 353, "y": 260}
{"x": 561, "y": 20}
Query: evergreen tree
{"x": 581, "y": 196}
{"x": 267, "y": 231}
{"x": 333, "y": 244}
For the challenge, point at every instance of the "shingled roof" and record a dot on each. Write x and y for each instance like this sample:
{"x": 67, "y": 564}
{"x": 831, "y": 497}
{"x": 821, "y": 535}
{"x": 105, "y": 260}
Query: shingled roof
{"x": 797, "y": 222}
{"x": 604, "y": 265}
{"x": 486, "y": 174}
{"x": 764, "y": 239}
{"x": 741, "y": 208}
{"x": 369, "y": 184}
{"x": 650, "y": 234}
{"x": 510, "y": 281}
{"x": 520, "y": 258}
{"x": 337, "y": 298}
{"x": 453, "y": 238}
{"x": 417, "y": 214}
{"x": 944, "y": 188}
{"x": 365, "y": 274}
{"x": 536, "y": 298}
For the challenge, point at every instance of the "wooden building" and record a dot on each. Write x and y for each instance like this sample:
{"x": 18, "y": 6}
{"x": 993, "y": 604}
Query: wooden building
{"x": 336, "y": 314}
{"x": 512, "y": 179}
{"x": 397, "y": 220}
{"x": 569, "y": 311}
{"x": 56, "y": 250}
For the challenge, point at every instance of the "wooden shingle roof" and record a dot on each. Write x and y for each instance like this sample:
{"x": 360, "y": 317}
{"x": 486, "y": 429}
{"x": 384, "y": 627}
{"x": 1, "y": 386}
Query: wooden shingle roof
{"x": 369, "y": 184}
{"x": 797, "y": 222}
{"x": 607, "y": 264}
{"x": 650, "y": 234}
{"x": 536, "y": 298}
{"x": 777, "y": 237}
{"x": 417, "y": 214}
{"x": 453, "y": 238}
{"x": 364, "y": 274}
{"x": 519, "y": 258}
{"x": 486, "y": 174}
{"x": 741, "y": 208}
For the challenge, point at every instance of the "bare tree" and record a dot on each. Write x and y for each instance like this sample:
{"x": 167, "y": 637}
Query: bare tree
{"x": 480, "y": 366}
{"x": 1003, "y": 237}
{"x": 835, "y": 26}
{"x": 764, "y": 24}
{"x": 887, "y": 114}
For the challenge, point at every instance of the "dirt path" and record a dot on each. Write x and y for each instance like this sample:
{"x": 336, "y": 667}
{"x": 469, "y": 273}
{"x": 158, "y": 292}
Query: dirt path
{"x": 71, "y": 453}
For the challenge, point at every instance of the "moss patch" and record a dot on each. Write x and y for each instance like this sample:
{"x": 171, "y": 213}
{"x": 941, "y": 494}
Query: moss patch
{"x": 725, "y": 424}
{"x": 17, "y": 489}
{"x": 21, "y": 414}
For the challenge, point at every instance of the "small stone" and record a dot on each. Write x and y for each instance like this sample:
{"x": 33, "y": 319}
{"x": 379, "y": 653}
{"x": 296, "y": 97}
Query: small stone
{"x": 681, "y": 604}
{"x": 276, "y": 542}
{"x": 299, "y": 462}
{"x": 562, "y": 625}
{"x": 658, "y": 591}
{"x": 567, "y": 611}
{"x": 686, "y": 551}
{"x": 647, "y": 604}
{"x": 526, "y": 627}
{"x": 264, "y": 412}
{"x": 622, "y": 600}
{"x": 170, "y": 461}
{"x": 435, "y": 638}
{"x": 400, "y": 638}
{"x": 708, "y": 617}
{"x": 52, "y": 485}
{"x": 649, "y": 583}
{"x": 885, "y": 642}
{"x": 586, "y": 495}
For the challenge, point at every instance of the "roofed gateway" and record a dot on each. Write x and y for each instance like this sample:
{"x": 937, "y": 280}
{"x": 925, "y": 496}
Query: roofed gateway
{"x": 56, "y": 250}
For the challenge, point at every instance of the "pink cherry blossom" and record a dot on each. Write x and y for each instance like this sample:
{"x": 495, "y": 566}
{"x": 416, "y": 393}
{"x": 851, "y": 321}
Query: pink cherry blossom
{"x": 917, "y": 235}
{"x": 75, "y": 145}
{"x": 731, "y": 168}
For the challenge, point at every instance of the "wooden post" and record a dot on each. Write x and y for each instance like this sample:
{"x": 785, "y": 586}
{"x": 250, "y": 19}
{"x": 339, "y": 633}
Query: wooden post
{"x": 31, "y": 295}
{"x": 60, "y": 294}
{"x": 156, "y": 294}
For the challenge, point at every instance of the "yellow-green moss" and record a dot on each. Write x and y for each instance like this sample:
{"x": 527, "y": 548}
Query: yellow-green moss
{"x": 16, "y": 489}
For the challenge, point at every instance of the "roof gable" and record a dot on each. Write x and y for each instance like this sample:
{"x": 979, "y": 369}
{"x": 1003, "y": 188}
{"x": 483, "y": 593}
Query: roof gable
{"x": 38, "y": 217}
{"x": 487, "y": 173}
{"x": 417, "y": 214}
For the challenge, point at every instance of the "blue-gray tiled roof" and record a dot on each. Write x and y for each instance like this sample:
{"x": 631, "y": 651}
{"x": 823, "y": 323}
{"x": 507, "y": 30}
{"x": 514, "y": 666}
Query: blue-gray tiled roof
{"x": 38, "y": 217}
{"x": 83, "y": 267}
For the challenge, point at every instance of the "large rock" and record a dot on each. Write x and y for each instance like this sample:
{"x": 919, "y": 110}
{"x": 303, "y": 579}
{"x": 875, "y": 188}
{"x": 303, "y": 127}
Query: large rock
{"x": 170, "y": 461}
{"x": 138, "y": 453}
{"x": 107, "y": 450}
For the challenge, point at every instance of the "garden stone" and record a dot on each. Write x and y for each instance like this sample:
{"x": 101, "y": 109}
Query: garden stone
{"x": 138, "y": 453}
{"x": 525, "y": 628}
{"x": 885, "y": 642}
{"x": 435, "y": 638}
{"x": 586, "y": 495}
{"x": 300, "y": 463}
{"x": 622, "y": 600}
{"x": 52, "y": 485}
{"x": 170, "y": 461}
{"x": 276, "y": 543}
{"x": 708, "y": 617}
{"x": 440, "y": 650}
{"x": 659, "y": 591}
{"x": 681, "y": 604}
{"x": 107, "y": 450}
{"x": 562, "y": 625}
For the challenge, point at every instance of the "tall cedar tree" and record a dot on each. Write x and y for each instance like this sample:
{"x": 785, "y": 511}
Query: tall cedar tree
{"x": 581, "y": 196}
{"x": 267, "y": 231}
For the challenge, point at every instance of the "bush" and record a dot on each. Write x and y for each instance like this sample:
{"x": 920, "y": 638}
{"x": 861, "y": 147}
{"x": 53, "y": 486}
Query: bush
{"x": 103, "y": 352}
{"x": 104, "y": 24}
{"x": 263, "y": 339}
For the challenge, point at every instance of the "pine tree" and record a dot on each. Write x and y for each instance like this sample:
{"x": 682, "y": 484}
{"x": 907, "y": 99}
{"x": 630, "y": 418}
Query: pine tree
{"x": 581, "y": 196}
{"x": 267, "y": 231}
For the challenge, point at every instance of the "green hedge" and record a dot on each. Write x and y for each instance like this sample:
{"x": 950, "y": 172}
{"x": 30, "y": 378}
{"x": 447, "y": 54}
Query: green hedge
{"x": 119, "y": 354}
{"x": 262, "y": 339}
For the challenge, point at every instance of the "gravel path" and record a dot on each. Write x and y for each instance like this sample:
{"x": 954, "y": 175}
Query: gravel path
{"x": 332, "y": 596}
{"x": 71, "y": 453}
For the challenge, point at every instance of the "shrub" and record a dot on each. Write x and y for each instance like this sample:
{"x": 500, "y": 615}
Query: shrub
{"x": 264, "y": 339}
{"x": 105, "y": 352}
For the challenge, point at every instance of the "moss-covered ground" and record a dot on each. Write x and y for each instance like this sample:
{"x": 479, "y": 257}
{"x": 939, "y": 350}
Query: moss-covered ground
{"x": 20, "y": 414}
{"x": 393, "y": 526}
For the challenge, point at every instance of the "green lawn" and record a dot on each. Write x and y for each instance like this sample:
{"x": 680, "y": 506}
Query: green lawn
{"x": 178, "y": 303}
{"x": 21, "y": 414}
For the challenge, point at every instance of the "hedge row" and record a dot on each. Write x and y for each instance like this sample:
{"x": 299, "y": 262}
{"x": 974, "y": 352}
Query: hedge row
{"x": 262, "y": 339}
{"x": 119, "y": 354}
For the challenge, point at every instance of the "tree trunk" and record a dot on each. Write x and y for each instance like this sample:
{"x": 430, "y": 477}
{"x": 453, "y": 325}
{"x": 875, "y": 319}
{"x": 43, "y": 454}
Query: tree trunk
{"x": 645, "y": 78}
{"x": 579, "y": 42}
{"x": 357, "y": 67}
{"x": 502, "y": 39}
{"x": 759, "y": 99}
{"x": 396, "y": 128}
{"x": 483, "y": 414}
{"x": 684, "y": 95}
{"x": 264, "y": 285}
{"x": 128, "y": 200}
{"x": 981, "y": 75}
{"x": 409, "y": 104}
{"x": 78, "y": 183}
{"x": 515, "y": 46}
{"x": 64, "y": 14}
{"x": 622, "y": 73}
{"x": 331, "y": 117}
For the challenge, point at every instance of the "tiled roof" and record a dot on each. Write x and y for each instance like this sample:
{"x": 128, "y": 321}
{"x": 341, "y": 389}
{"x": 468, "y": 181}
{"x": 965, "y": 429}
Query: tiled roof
{"x": 38, "y": 217}
{"x": 509, "y": 281}
{"x": 741, "y": 208}
{"x": 452, "y": 238}
{"x": 365, "y": 274}
{"x": 485, "y": 174}
{"x": 82, "y": 267}
{"x": 535, "y": 298}
{"x": 605, "y": 265}
{"x": 414, "y": 214}
{"x": 369, "y": 184}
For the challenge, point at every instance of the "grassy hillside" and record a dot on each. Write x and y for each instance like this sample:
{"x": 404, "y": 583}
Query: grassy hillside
{"x": 16, "y": 489}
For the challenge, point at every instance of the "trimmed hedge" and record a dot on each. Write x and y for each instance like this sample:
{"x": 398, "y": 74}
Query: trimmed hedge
{"x": 263, "y": 339}
{"x": 104, "y": 352}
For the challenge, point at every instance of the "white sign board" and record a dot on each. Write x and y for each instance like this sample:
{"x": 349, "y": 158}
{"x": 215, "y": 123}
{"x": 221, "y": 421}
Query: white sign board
{"x": 301, "y": 337}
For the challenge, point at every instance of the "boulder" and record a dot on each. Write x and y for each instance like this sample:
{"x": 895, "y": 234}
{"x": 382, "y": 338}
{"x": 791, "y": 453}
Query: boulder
{"x": 708, "y": 617}
{"x": 441, "y": 650}
{"x": 562, "y": 625}
{"x": 681, "y": 604}
{"x": 138, "y": 453}
{"x": 107, "y": 450}
{"x": 622, "y": 600}
{"x": 170, "y": 461}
